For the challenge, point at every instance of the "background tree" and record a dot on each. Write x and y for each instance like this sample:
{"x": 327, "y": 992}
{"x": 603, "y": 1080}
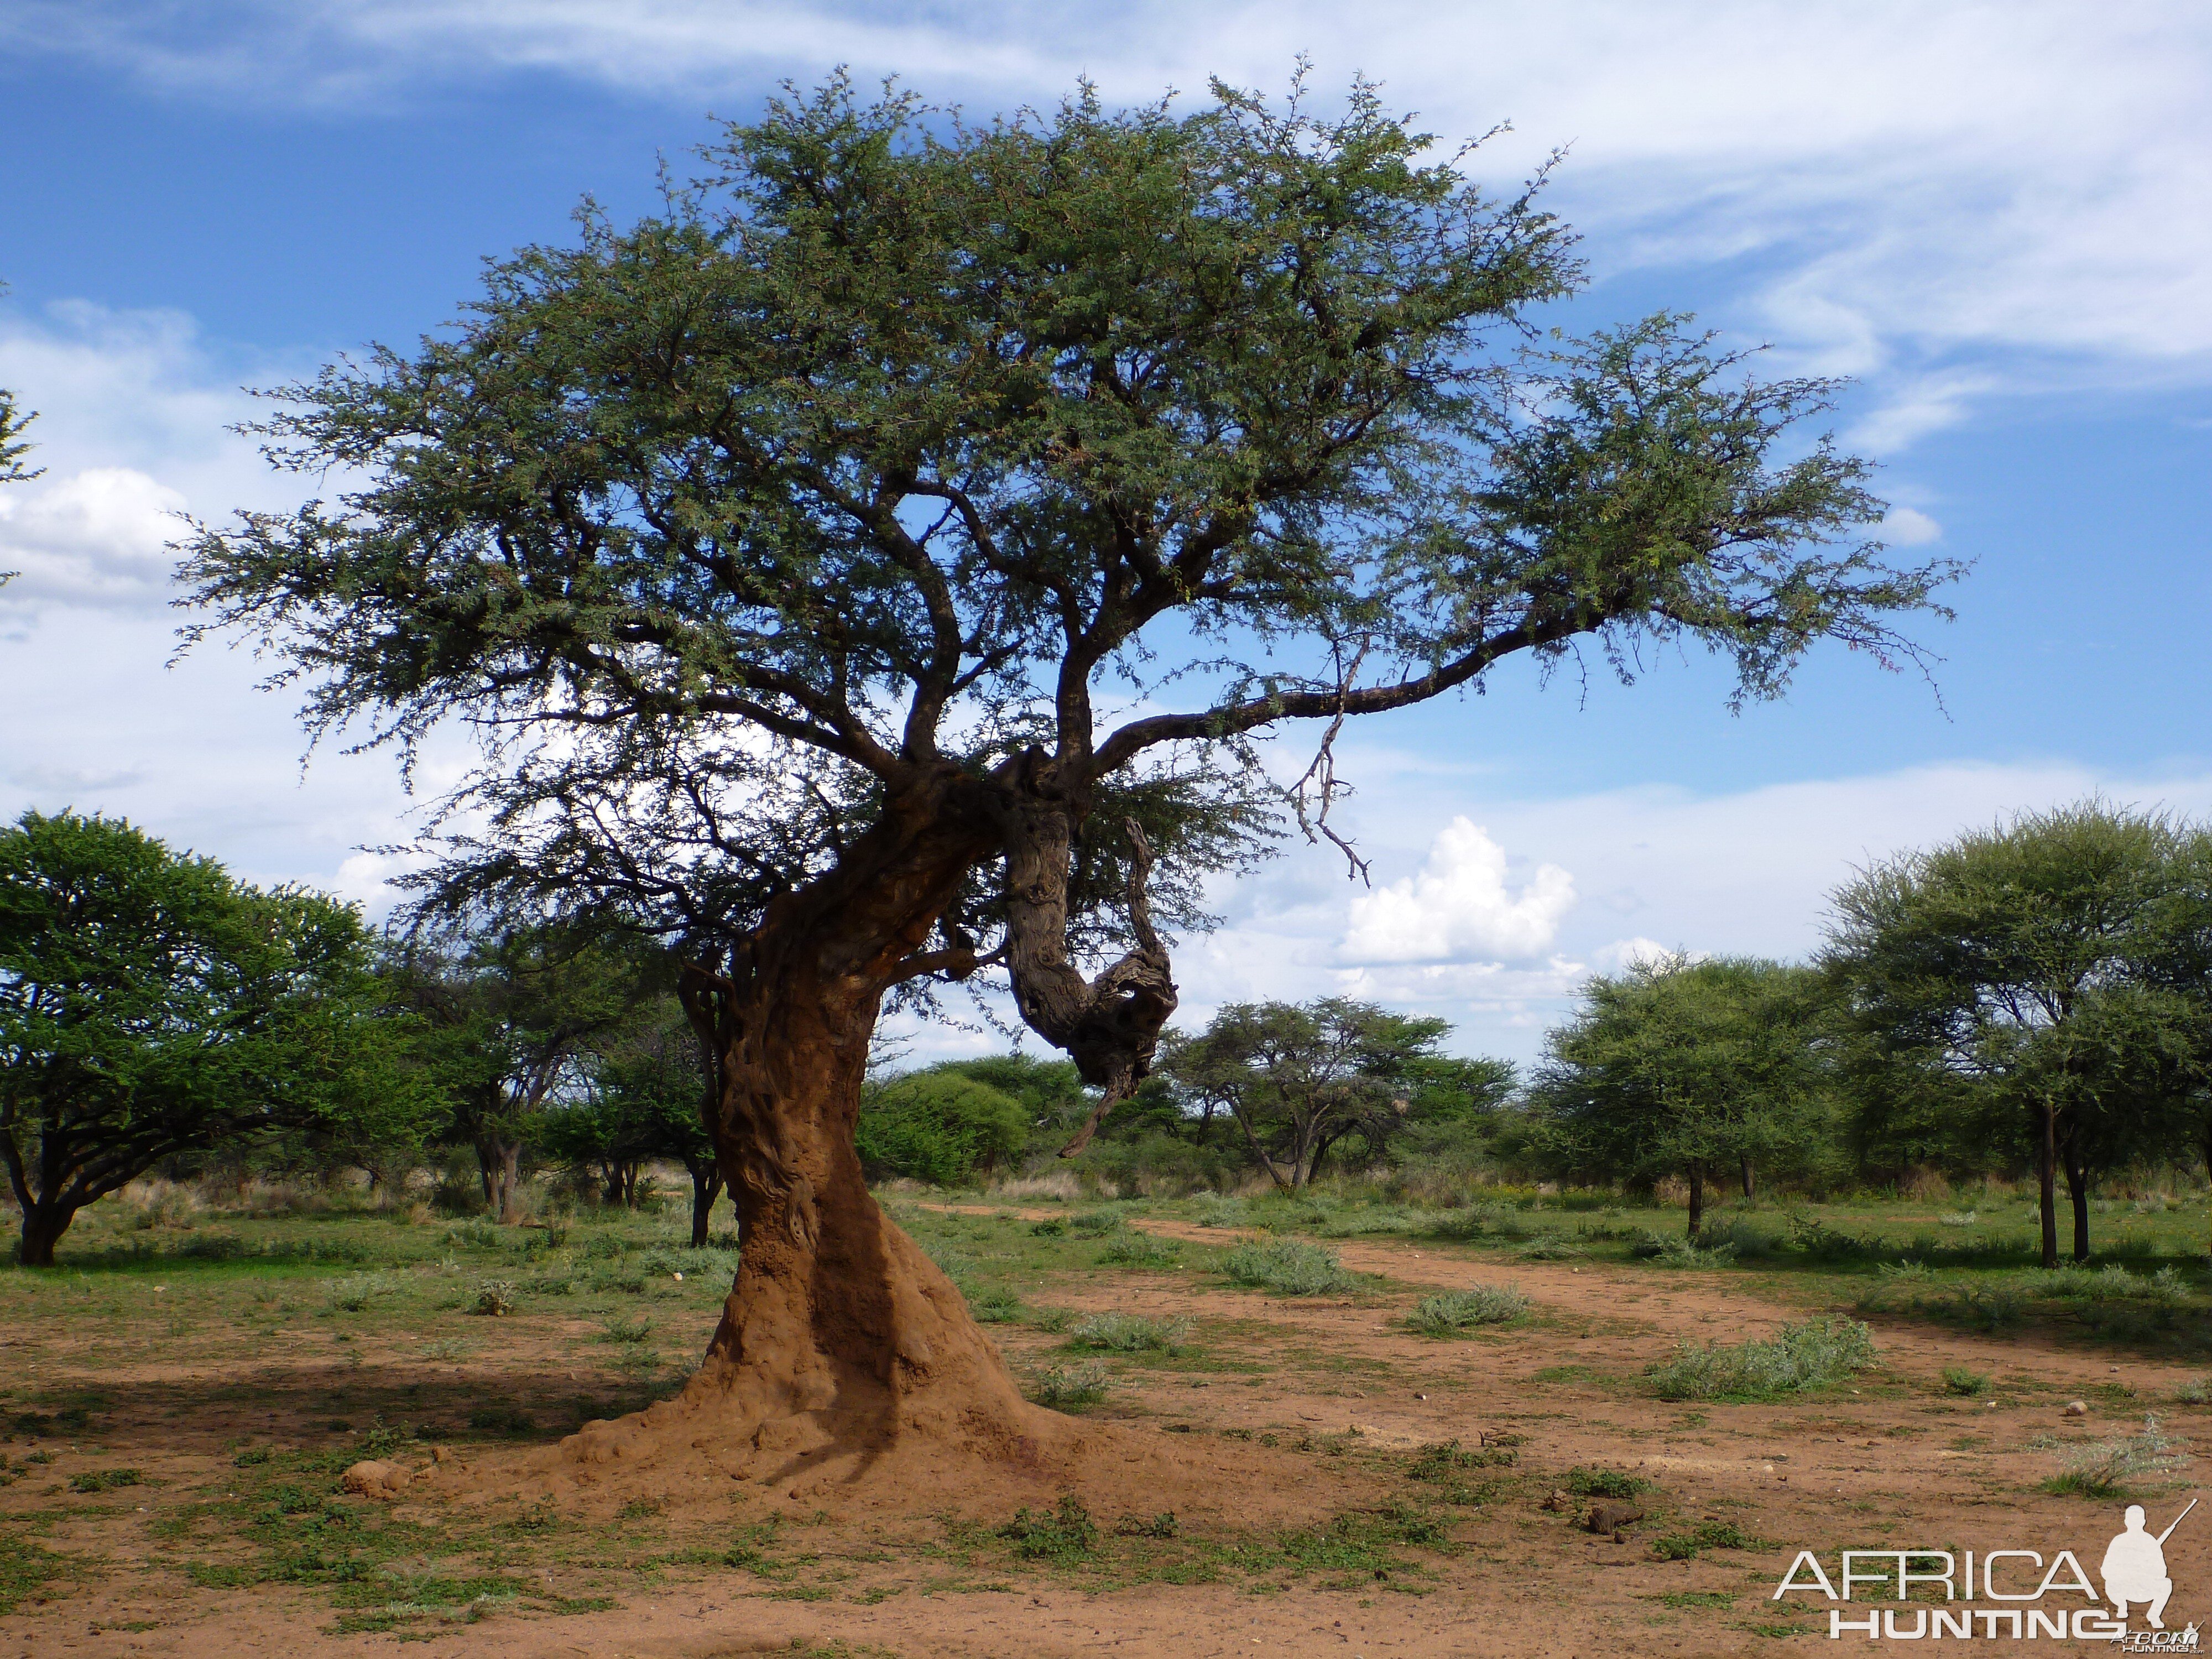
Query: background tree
{"x": 512, "y": 1010}
{"x": 2022, "y": 955}
{"x": 645, "y": 1096}
{"x": 150, "y": 1005}
{"x": 944, "y": 1126}
{"x": 1679, "y": 1068}
{"x": 872, "y": 570}
{"x": 1298, "y": 1079}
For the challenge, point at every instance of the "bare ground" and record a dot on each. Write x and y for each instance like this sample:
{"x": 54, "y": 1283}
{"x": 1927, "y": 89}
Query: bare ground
{"x": 1896, "y": 1462}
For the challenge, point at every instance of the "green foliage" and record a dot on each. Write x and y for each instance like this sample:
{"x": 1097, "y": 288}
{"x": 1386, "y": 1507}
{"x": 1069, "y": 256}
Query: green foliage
{"x": 1959, "y": 1380}
{"x": 1289, "y": 1266}
{"x": 1059, "y": 1533}
{"x": 151, "y": 1005}
{"x": 1451, "y": 1312}
{"x": 938, "y": 1125}
{"x": 2037, "y": 983}
{"x": 1604, "y": 1483}
{"x": 1809, "y": 1354}
{"x": 1683, "y": 1067}
{"x": 105, "y": 1479}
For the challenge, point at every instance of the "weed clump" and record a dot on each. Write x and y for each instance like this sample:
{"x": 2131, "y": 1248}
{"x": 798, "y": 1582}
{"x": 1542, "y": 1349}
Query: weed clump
{"x": 496, "y": 1298}
{"x": 1956, "y": 1379}
{"x": 1289, "y": 1266}
{"x": 1807, "y": 1354}
{"x": 2107, "y": 1468}
{"x": 1134, "y": 1249}
{"x": 1059, "y": 1533}
{"x": 105, "y": 1479}
{"x": 1709, "y": 1535}
{"x": 1452, "y": 1311}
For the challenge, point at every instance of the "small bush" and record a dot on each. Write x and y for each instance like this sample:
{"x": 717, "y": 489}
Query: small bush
{"x": 1053, "y": 1535}
{"x": 1217, "y": 1212}
{"x": 1096, "y": 1224}
{"x": 1604, "y": 1483}
{"x": 354, "y": 1294}
{"x": 1063, "y": 1387}
{"x": 496, "y": 1298}
{"x": 1678, "y": 1250}
{"x": 2196, "y": 1392}
{"x": 618, "y": 1329}
{"x": 1131, "y": 1333}
{"x": 1452, "y": 1311}
{"x": 2107, "y": 1468}
{"x": 1959, "y": 1217}
{"x": 1958, "y": 1380}
{"x": 501, "y": 1419}
{"x": 1134, "y": 1249}
{"x": 1804, "y": 1355}
{"x": 995, "y": 1307}
{"x": 1289, "y": 1266}
{"x": 1440, "y": 1460}
{"x": 1052, "y": 1226}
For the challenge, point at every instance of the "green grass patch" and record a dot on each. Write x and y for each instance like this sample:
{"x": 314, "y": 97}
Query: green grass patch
{"x": 1810, "y": 1354}
{"x": 1130, "y": 1334}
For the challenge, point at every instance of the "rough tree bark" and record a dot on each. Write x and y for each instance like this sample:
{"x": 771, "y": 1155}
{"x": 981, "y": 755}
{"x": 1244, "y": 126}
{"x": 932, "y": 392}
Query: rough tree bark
{"x": 2047, "y": 1179}
{"x": 1697, "y": 1197}
{"x": 706, "y": 1187}
{"x": 43, "y": 1227}
{"x": 1750, "y": 1181}
{"x": 2077, "y": 1193}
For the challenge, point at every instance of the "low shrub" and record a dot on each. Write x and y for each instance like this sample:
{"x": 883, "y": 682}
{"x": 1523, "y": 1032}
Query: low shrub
{"x": 1709, "y": 1535}
{"x": 1214, "y": 1211}
{"x": 1807, "y": 1354}
{"x": 1162, "y": 1525}
{"x": 496, "y": 1296}
{"x": 1289, "y": 1266}
{"x": 1549, "y": 1247}
{"x": 1131, "y": 1333}
{"x": 1063, "y": 1387}
{"x": 105, "y": 1479}
{"x": 1055, "y": 1535}
{"x": 995, "y": 1307}
{"x": 1451, "y": 1312}
{"x": 1958, "y": 1380}
{"x": 1096, "y": 1224}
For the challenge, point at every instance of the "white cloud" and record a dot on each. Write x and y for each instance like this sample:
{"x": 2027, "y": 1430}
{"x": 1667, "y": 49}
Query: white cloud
{"x": 95, "y": 537}
{"x": 1908, "y": 526}
{"x": 1459, "y": 907}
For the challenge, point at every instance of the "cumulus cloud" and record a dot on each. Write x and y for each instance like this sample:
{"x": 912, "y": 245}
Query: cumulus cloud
{"x": 1908, "y": 526}
{"x": 96, "y": 537}
{"x": 1461, "y": 906}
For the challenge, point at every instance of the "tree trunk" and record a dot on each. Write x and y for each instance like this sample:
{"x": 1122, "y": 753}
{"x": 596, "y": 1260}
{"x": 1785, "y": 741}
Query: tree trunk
{"x": 1750, "y": 1184}
{"x": 2077, "y": 1190}
{"x": 506, "y": 1182}
{"x": 487, "y": 1170}
{"x": 2046, "y": 1181}
{"x": 1697, "y": 1197}
{"x": 43, "y": 1227}
{"x": 706, "y": 1187}
{"x": 838, "y": 1337}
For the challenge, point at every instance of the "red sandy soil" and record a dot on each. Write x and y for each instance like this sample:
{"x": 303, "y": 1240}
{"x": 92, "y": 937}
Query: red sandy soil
{"x": 1867, "y": 1470}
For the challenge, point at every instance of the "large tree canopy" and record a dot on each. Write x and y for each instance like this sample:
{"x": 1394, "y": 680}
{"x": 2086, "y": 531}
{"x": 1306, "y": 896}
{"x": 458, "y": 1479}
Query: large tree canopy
{"x": 150, "y": 1005}
{"x": 876, "y": 566}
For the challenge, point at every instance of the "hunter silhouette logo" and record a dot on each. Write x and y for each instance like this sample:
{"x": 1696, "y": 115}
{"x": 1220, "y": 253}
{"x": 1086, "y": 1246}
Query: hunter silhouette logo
{"x": 2134, "y": 1569}
{"x": 2027, "y": 1596}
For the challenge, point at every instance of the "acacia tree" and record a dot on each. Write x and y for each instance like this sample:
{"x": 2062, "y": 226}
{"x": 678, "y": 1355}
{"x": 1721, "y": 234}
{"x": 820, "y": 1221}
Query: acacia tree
{"x": 871, "y": 571}
{"x": 1298, "y": 1079}
{"x": 645, "y": 1096}
{"x": 13, "y": 420}
{"x": 1683, "y": 1067}
{"x": 512, "y": 1010}
{"x": 151, "y": 1005}
{"x": 2027, "y": 956}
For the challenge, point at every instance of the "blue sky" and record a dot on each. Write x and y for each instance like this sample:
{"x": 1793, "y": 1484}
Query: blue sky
{"x": 1996, "y": 218}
